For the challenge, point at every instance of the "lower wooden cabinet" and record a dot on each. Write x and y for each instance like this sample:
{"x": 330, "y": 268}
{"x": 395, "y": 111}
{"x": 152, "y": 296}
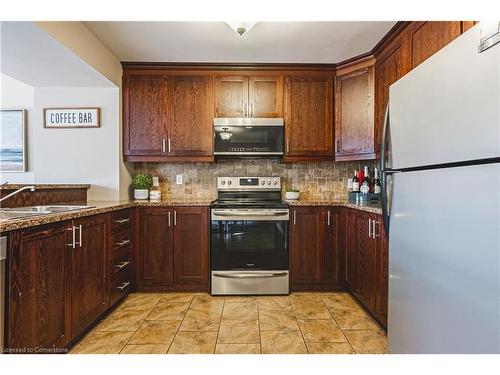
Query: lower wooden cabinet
{"x": 173, "y": 250}
{"x": 366, "y": 260}
{"x": 39, "y": 287}
{"x": 316, "y": 263}
{"x": 58, "y": 281}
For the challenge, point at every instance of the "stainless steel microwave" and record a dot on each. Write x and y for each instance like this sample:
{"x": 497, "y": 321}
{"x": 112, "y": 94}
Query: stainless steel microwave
{"x": 248, "y": 137}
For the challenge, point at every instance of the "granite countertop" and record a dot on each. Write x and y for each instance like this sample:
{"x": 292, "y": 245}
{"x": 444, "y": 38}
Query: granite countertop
{"x": 372, "y": 208}
{"x": 107, "y": 206}
{"x": 45, "y": 186}
{"x": 99, "y": 207}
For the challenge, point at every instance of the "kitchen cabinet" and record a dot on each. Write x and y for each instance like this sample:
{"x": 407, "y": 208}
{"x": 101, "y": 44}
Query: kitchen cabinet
{"x": 59, "y": 279}
{"x": 90, "y": 293}
{"x": 191, "y": 236}
{"x": 145, "y": 114}
{"x": 309, "y": 116}
{"x": 354, "y": 111}
{"x": 173, "y": 251}
{"x": 315, "y": 255}
{"x": 258, "y": 95}
{"x": 366, "y": 260}
{"x": 167, "y": 117}
{"x": 190, "y": 129}
{"x": 39, "y": 287}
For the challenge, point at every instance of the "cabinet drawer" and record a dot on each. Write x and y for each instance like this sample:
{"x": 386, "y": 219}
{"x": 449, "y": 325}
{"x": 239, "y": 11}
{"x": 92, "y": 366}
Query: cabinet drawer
{"x": 121, "y": 284}
{"x": 120, "y": 220}
{"x": 121, "y": 239}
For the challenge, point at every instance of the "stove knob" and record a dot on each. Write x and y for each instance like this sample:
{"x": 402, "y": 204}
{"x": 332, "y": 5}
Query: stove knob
{"x": 262, "y": 182}
{"x": 269, "y": 182}
{"x": 223, "y": 182}
{"x": 275, "y": 182}
{"x": 229, "y": 182}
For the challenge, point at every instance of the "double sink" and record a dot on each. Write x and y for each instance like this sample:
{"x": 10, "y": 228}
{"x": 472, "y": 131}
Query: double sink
{"x": 32, "y": 211}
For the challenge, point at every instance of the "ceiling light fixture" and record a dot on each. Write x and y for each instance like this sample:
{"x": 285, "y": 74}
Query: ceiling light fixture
{"x": 241, "y": 27}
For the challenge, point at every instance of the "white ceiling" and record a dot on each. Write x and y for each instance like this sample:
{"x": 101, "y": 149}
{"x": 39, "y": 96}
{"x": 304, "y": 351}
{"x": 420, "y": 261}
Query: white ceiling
{"x": 267, "y": 42}
{"x": 32, "y": 56}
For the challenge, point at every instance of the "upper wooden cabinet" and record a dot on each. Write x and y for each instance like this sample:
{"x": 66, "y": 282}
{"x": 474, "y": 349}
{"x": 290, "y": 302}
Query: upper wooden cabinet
{"x": 191, "y": 116}
{"x": 309, "y": 116}
{"x": 354, "y": 111}
{"x": 145, "y": 114}
{"x": 168, "y": 116}
{"x": 256, "y": 95}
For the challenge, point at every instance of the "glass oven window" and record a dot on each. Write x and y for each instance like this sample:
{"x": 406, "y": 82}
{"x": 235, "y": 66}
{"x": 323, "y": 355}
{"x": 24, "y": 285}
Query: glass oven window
{"x": 249, "y": 245}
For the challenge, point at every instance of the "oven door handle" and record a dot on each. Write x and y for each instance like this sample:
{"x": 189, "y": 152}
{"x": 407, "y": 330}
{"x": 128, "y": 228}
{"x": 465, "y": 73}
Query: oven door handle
{"x": 249, "y": 275}
{"x": 227, "y": 214}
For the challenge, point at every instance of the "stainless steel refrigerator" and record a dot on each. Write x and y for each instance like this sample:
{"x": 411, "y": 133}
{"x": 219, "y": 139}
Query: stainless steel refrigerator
{"x": 441, "y": 200}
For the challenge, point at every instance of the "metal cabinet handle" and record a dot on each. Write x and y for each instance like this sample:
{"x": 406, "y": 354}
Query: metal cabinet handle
{"x": 369, "y": 228}
{"x": 123, "y": 286}
{"x": 80, "y": 235}
{"x": 287, "y": 146}
{"x": 175, "y": 218}
{"x": 169, "y": 222}
{"x": 121, "y": 243}
{"x": 294, "y": 217}
{"x": 163, "y": 145}
{"x": 123, "y": 264}
{"x": 374, "y": 229}
{"x": 73, "y": 234}
{"x": 245, "y": 109}
{"x": 122, "y": 221}
{"x": 169, "y": 145}
{"x": 328, "y": 218}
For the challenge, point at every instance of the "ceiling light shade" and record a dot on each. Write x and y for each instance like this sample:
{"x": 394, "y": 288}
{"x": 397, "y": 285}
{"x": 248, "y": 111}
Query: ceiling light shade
{"x": 241, "y": 27}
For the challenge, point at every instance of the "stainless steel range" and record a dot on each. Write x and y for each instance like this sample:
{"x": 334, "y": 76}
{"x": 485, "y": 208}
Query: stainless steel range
{"x": 249, "y": 251}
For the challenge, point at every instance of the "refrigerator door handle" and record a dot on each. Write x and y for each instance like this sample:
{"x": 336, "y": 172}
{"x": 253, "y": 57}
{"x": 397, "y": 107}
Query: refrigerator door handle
{"x": 384, "y": 138}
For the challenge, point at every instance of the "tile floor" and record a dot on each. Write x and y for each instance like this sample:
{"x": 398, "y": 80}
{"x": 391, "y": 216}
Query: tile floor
{"x": 193, "y": 323}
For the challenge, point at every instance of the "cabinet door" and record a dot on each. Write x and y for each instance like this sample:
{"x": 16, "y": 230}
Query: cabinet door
{"x": 191, "y": 247}
{"x": 265, "y": 96}
{"x": 309, "y": 117}
{"x": 354, "y": 114}
{"x": 145, "y": 114}
{"x": 382, "y": 272}
{"x": 190, "y": 127}
{"x": 334, "y": 256}
{"x": 351, "y": 250}
{"x": 155, "y": 260}
{"x": 307, "y": 245}
{"x": 39, "y": 295}
{"x": 391, "y": 65}
{"x": 89, "y": 265}
{"x": 366, "y": 251}
{"x": 231, "y": 96}
{"x": 427, "y": 38}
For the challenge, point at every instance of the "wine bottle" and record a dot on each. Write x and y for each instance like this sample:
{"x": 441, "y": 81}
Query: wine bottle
{"x": 376, "y": 183}
{"x": 365, "y": 185}
{"x": 355, "y": 182}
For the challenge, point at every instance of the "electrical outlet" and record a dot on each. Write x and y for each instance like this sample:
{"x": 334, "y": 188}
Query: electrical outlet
{"x": 178, "y": 179}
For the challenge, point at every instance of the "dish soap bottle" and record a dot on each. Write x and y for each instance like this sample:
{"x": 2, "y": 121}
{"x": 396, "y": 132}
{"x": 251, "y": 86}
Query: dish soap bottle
{"x": 155, "y": 192}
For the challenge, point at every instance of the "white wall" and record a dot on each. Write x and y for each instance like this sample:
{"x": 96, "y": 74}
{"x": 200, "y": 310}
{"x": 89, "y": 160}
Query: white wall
{"x": 78, "y": 155}
{"x": 15, "y": 94}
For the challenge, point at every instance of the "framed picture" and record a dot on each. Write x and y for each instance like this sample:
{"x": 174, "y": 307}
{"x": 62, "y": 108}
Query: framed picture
{"x": 12, "y": 140}
{"x": 64, "y": 118}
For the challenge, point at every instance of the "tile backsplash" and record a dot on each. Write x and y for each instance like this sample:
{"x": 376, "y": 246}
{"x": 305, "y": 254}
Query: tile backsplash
{"x": 316, "y": 181}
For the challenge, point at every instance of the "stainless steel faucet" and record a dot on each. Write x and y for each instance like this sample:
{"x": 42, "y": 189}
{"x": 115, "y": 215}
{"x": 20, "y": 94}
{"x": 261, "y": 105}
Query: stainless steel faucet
{"x": 31, "y": 187}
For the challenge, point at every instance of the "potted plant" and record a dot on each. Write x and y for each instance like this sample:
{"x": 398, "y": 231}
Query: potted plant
{"x": 291, "y": 193}
{"x": 141, "y": 183}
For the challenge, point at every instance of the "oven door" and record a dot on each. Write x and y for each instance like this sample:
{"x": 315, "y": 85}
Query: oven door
{"x": 252, "y": 239}
{"x": 247, "y": 137}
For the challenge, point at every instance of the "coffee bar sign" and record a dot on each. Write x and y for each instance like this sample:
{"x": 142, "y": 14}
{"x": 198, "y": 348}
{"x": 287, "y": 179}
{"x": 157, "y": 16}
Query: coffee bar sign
{"x": 72, "y": 118}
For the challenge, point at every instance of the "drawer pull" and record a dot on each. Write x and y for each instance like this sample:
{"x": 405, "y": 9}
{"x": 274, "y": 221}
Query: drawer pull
{"x": 122, "y": 221}
{"x": 123, "y": 264}
{"x": 122, "y": 243}
{"x": 123, "y": 286}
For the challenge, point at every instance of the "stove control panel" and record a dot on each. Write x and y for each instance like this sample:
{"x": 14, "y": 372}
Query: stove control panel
{"x": 248, "y": 183}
